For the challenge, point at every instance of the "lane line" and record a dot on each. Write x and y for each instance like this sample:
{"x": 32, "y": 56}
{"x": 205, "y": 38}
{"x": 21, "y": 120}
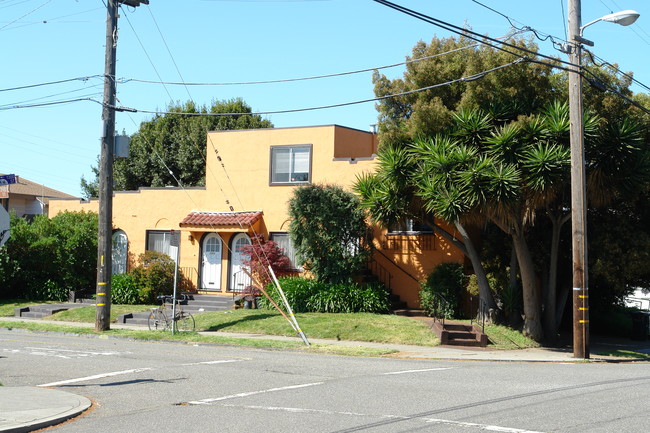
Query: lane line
{"x": 217, "y": 362}
{"x": 486, "y": 427}
{"x": 246, "y": 394}
{"x": 131, "y": 371}
{"x": 96, "y": 376}
{"x": 419, "y": 371}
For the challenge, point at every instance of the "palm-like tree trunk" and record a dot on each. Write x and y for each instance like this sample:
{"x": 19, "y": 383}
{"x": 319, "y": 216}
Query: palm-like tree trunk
{"x": 532, "y": 311}
{"x": 486, "y": 302}
{"x": 550, "y": 301}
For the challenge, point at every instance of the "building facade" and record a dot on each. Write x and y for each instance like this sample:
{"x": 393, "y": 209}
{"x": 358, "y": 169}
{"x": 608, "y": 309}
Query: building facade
{"x": 250, "y": 177}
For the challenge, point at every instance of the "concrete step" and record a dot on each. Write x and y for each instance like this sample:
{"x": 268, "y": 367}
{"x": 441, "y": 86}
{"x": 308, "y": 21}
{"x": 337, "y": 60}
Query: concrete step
{"x": 458, "y": 334}
{"x": 43, "y": 310}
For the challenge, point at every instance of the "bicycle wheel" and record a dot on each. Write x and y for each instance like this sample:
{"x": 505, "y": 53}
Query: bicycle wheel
{"x": 185, "y": 322}
{"x": 157, "y": 321}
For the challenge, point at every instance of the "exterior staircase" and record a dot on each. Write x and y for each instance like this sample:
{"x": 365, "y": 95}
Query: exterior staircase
{"x": 195, "y": 304}
{"x": 457, "y": 334}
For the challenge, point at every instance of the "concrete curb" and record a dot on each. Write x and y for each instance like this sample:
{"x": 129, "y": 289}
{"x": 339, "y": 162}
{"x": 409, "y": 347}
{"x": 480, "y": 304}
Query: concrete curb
{"x": 25, "y": 408}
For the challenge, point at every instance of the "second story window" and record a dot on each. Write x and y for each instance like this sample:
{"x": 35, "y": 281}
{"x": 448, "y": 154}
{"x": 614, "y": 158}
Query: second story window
{"x": 290, "y": 164}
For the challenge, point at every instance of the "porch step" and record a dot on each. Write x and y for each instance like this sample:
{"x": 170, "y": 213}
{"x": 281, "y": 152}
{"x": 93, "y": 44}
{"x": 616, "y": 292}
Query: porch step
{"x": 44, "y": 310}
{"x": 458, "y": 334}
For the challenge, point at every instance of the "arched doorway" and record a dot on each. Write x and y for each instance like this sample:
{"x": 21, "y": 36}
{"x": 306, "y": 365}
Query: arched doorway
{"x": 211, "y": 262}
{"x": 238, "y": 279}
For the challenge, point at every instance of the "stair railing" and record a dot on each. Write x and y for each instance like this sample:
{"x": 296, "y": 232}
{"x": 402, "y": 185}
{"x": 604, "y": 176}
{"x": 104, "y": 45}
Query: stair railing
{"x": 479, "y": 319}
{"x": 440, "y": 309}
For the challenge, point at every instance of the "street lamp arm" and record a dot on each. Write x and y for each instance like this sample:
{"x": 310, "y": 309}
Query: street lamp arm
{"x": 623, "y": 18}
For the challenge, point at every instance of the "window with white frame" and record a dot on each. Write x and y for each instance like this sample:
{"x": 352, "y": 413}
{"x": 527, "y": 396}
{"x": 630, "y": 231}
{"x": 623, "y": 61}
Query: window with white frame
{"x": 290, "y": 164}
{"x": 284, "y": 243}
{"x": 160, "y": 241}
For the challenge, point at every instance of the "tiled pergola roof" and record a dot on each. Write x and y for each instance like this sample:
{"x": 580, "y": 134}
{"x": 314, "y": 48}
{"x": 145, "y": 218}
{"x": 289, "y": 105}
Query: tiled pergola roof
{"x": 220, "y": 219}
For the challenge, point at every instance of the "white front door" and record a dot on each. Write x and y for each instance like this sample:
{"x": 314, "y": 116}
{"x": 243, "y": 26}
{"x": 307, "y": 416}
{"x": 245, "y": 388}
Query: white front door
{"x": 211, "y": 267}
{"x": 238, "y": 278}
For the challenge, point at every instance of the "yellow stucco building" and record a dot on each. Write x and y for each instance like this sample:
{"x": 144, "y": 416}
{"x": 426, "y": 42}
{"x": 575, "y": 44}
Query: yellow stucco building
{"x": 250, "y": 177}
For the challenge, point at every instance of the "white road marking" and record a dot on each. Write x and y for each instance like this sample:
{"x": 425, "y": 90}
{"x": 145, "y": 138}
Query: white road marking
{"x": 486, "y": 427}
{"x": 217, "y": 362}
{"x": 419, "y": 371}
{"x": 134, "y": 370}
{"x": 246, "y": 394}
{"x": 96, "y": 376}
{"x": 61, "y": 353}
{"x": 481, "y": 426}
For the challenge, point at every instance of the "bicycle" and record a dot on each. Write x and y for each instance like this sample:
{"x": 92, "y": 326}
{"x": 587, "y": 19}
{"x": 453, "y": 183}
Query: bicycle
{"x": 160, "y": 318}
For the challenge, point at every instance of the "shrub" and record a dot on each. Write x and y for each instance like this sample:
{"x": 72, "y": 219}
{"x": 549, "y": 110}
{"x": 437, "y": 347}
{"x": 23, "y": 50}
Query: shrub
{"x": 124, "y": 289}
{"x": 264, "y": 253}
{"x": 447, "y": 281}
{"x": 154, "y": 276}
{"x": 49, "y": 257}
{"x": 317, "y": 297}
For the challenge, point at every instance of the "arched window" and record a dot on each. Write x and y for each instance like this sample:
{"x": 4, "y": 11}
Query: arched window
{"x": 120, "y": 252}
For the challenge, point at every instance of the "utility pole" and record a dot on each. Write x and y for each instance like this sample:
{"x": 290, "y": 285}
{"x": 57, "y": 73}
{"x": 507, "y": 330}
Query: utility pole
{"x": 578, "y": 187}
{"x": 105, "y": 229}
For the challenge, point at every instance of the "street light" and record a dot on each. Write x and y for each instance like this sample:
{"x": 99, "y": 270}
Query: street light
{"x": 623, "y": 18}
{"x": 578, "y": 184}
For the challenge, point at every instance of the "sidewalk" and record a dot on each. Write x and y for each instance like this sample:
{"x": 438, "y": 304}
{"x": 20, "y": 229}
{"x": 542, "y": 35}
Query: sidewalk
{"x": 24, "y": 409}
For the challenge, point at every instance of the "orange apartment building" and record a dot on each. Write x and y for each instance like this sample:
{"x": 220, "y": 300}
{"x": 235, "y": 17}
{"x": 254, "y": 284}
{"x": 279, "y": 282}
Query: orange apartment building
{"x": 250, "y": 177}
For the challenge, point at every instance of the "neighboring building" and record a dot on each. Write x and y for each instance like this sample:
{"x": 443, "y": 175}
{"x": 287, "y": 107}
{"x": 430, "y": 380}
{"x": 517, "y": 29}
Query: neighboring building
{"x": 28, "y": 198}
{"x": 250, "y": 177}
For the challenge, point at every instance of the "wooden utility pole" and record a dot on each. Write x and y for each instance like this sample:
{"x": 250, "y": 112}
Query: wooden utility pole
{"x": 105, "y": 229}
{"x": 578, "y": 188}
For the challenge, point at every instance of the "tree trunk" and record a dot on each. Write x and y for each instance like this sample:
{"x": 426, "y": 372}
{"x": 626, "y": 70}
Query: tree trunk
{"x": 532, "y": 311}
{"x": 550, "y": 304}
{"x": 485, "y": 294}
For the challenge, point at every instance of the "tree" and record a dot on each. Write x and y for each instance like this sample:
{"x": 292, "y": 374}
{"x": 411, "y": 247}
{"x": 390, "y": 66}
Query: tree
{"x": 171, "y": 148}
{"x": 46, "y": 258}
{"x": 263, "y": 253}
{"x": 516, "y": 89}
{"x": 328, "y": 231}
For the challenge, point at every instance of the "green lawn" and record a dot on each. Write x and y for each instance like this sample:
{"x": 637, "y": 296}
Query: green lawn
{"x": 380, "y": 328}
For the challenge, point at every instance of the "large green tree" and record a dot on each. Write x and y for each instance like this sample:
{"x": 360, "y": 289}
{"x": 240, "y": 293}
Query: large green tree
{"x": 520, "y": 88}
{"x": 328, "y": 230}
{"x": 171, "y": 148}
{"x": 508, "y": 173}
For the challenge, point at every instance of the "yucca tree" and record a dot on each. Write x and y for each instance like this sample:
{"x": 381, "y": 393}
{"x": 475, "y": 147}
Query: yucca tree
{"x": 395, "y": 191}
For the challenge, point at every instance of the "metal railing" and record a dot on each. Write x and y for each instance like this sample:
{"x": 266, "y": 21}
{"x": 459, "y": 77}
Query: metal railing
{"x": 239, "y": 281}
{"x": 188, "y": 279}
{"x": 441, "y": 308}
{"x": 481, "y": 312}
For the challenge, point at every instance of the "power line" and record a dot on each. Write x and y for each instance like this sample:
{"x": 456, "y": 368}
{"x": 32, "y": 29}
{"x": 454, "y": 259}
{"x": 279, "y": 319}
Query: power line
{"x": 285, "y": 80}
{"x": 24, "y": 15}
{"x": 146, "y": 53}
{"x": 469, "y": 34}
{"x": 49, "y": 83}
{"x": 343, "y": 104}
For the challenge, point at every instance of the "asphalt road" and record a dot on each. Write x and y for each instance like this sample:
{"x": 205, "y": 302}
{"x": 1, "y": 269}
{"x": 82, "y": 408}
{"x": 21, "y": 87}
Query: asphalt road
{"x": 171, "y": 387}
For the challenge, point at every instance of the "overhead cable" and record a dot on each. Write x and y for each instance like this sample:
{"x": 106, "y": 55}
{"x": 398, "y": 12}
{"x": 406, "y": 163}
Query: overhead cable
{"x": 343, "y": 104}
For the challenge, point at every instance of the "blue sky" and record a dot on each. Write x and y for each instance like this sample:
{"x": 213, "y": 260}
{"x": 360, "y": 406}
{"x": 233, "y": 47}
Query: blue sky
{"x": 222, "y": 41}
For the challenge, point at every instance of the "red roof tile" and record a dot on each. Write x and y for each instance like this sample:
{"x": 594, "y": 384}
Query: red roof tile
{"x": 211, "y": 219}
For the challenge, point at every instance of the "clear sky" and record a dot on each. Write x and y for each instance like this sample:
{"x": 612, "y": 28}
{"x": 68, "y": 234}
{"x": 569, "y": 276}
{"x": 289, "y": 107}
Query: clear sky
{"x": 222, "y": 41}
